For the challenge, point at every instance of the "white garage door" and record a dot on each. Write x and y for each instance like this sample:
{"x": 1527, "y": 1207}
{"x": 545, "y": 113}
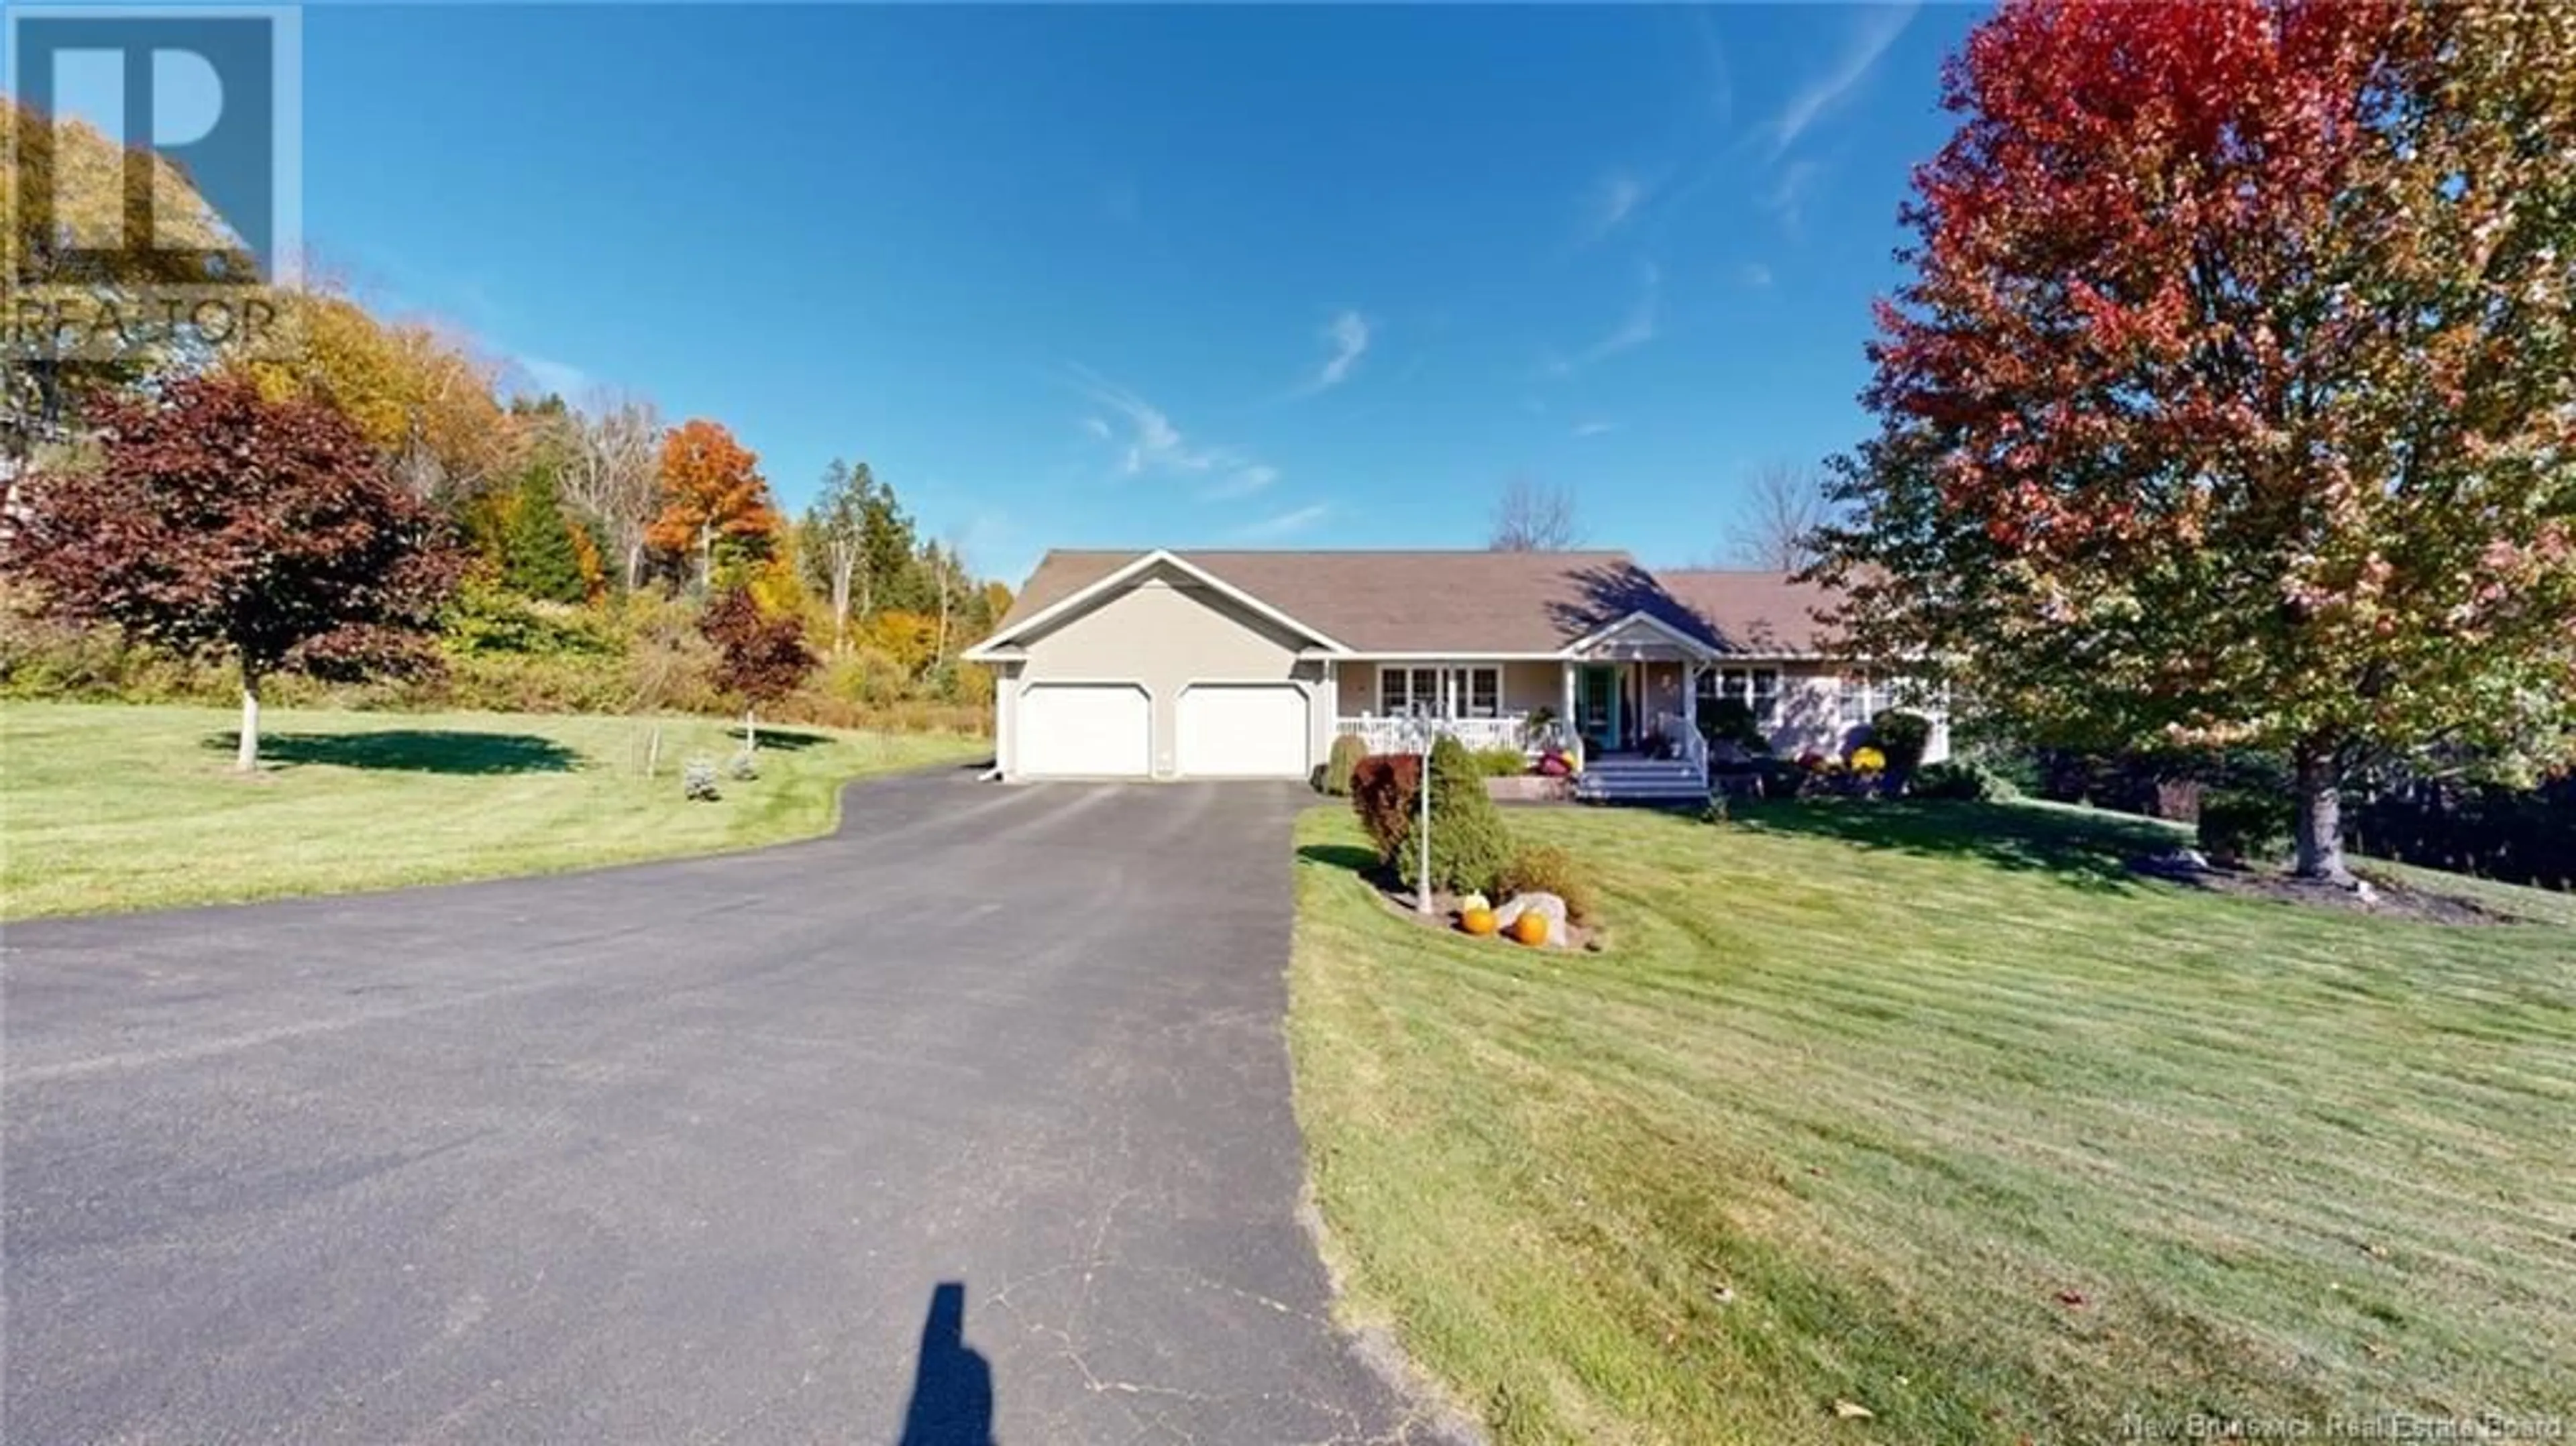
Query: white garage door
{"x": 1083, "y": 730}
{"x": 1242, "y": 730}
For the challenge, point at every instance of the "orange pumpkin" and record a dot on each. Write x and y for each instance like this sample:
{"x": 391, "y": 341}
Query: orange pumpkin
{"x": 1530, "y": 927}
{"x": 1477, "y": 921}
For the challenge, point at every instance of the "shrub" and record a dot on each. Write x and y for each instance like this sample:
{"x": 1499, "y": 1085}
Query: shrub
{"x": 1901, "y": 736}
{"x": 1547, "y": 869}
{"x": 1730, "y": 720}
{"x": 2238, "y": 825}
{"x": 1342, "y": 763}
{"x": 743, "y": 767}
{"x": 1382, "y": 794}
{"x": 1962, "y": 781}
{"x": 483, "y": 619}
{"x": 1501, "y": 761}
{"x": 698, "y": 780}
{"x": 1468, "y": 843}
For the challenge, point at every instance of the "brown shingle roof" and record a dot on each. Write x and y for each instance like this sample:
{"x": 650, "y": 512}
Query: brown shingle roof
{"x": 1752, "y": 612}
{"x": 1464, "y": 602}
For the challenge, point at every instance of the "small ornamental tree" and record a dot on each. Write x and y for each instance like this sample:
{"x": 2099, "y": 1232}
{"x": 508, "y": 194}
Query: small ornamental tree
{"x": 759, "y": 659}
{"x": 2232, "y": 399}
{"x": 221, "y": 523}
{"x": 1383, "y": 788}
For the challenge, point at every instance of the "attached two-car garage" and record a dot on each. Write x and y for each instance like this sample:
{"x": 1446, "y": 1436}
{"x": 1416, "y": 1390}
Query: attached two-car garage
{"x": 1160, "y": 672}
{"x": 1106, "y": 730}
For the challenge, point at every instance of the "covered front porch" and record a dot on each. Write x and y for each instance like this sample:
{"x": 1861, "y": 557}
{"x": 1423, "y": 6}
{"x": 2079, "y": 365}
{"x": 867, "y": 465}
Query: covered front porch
{"x": 1620, "y": 694}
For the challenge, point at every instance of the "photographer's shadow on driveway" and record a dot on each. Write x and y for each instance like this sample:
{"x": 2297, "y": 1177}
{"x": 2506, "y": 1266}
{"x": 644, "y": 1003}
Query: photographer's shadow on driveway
{"x": 677, "y": 1152}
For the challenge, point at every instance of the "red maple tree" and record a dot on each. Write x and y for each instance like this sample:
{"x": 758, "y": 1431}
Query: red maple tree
{"x": 2232, "y": 398}
{"x": 217, "y": 522}
{"x": 759, "y": 658}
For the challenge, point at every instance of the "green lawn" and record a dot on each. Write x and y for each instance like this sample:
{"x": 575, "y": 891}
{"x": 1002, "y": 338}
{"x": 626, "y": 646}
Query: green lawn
{"x": 1935, "y": 1111}
{"x": 106, "y": 808}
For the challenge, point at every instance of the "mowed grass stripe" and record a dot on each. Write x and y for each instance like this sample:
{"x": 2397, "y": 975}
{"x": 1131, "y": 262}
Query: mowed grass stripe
{"x": 106, "y": 808}
{"x": 1897, "y": 1099}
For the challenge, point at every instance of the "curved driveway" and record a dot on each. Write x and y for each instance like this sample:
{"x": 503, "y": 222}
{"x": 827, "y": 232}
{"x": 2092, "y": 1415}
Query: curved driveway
{"x": 687, "y": 1152}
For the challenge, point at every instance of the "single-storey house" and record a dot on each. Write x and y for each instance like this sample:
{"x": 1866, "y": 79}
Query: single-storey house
{"x": 1246, "y": 664}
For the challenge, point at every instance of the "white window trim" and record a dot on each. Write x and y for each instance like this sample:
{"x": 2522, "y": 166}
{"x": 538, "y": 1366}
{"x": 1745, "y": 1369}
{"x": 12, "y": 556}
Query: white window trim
{"x": 1765, "y": 704}
{"x": 1446, "y": 678}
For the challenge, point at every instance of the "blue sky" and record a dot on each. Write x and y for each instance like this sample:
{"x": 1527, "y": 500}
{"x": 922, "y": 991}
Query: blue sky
{"x": 1077, "y": 276}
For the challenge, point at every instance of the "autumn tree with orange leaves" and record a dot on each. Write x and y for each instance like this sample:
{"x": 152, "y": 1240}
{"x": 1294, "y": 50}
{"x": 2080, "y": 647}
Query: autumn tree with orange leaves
{"x": 2232, "y": 400}
{"x": 715, "y": 504}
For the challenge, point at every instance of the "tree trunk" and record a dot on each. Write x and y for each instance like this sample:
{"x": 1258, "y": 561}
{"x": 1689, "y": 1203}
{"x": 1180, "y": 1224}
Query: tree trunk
{"x": 246, "y": 753}
{"x": 2319, "y": 781}
{"x": 634, "y": 565}
{"x": 750, "y": 732}
{"x": 840, "y": 605}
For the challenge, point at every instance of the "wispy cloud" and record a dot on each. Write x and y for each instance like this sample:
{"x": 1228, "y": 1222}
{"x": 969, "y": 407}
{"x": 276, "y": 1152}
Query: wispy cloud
{"x": 1869, "y": 38}
{"x": 1242, "y": 482}
{"x": 1754, "y": 274}
{"x": 561, "y": 378}
{"x": 1721, "y": 78}
{"x": 1348, "y": 335}
{"x": 1146, "y": 442}
{"x": 1284, "y": 524}
{"x": 1635, "y": 329}
{"x": 1787, "y": 198}
{"x": 1149, "y": 442}
{"x": 1594, "y": 428}
{"x": 1611, "y": 203}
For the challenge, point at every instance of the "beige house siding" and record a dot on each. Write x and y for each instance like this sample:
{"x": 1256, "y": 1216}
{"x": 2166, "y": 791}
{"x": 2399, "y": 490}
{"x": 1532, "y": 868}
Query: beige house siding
{"x": 1527, "y": 684}
{"x": 1808, "y": 720}
{"x": 1165, "y": 633}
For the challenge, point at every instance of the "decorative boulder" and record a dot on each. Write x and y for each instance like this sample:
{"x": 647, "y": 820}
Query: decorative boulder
{"x": 1545, "y": 905}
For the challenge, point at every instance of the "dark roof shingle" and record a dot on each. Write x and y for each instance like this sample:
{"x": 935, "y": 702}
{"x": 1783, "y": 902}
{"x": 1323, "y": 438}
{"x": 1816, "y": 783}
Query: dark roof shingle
{"x": 1465, "y": 602}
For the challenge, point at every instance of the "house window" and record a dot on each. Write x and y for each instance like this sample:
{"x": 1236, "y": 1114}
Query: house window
{"x": 1756, "y": 688}
{"x": 1404, "y": 691}
{"x": 1860, "y": 698}
{"x": 1475, "y": 693}
{"x": 1408, "y": 692}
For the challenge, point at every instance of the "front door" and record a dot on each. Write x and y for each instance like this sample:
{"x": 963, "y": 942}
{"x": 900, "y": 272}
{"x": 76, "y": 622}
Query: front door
{"x": 1596, "y": 707}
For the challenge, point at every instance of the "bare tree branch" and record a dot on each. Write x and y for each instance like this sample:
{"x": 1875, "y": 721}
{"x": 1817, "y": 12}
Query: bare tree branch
{"x": 1533, "y": 517}
{"x": 1775, "y": 526}
{"x": 614, "y": 476}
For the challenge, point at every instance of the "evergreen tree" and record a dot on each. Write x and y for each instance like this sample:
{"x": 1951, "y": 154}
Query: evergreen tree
{"x": 539, "y": 557}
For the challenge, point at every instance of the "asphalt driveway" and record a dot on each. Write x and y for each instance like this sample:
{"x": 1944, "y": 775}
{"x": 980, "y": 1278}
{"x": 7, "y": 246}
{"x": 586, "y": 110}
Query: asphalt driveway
{"x": 974, "y": 1117}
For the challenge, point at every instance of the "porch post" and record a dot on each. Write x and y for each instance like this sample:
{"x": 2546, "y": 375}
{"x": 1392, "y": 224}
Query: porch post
{"x": 1690, "y": 694}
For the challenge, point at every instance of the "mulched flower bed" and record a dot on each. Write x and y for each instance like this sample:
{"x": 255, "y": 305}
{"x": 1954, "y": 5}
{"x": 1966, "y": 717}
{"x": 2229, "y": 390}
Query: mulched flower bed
{"x": 1443, "y": 917}
{"x": 2384, "y": 898}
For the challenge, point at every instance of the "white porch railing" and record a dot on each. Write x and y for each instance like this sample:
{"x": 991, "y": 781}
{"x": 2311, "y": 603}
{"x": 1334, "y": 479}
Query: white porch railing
{"x": 1685, "y": 733}
{"x": 1401, "y": 735}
